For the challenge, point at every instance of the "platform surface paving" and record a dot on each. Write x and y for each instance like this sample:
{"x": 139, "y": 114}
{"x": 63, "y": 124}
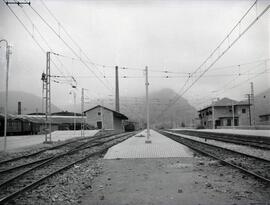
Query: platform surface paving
{"x": 15, "y": 142}
{"x": 135, "y": 147}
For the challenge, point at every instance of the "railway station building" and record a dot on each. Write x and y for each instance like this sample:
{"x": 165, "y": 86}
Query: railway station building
{"x": 224, "y": 111}
{"x": 265, "y": 119}
{"x": 104, "y": 118}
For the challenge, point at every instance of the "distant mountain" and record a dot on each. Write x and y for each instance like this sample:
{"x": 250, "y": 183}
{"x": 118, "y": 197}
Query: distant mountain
{"x": 30, "y": 103}
{"x": 134, "y": 107}
{"x": 174, "y": 115}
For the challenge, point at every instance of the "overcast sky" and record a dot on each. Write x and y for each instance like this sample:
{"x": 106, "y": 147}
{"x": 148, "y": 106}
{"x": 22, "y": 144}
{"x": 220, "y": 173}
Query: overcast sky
{"x": 164, "y": 35}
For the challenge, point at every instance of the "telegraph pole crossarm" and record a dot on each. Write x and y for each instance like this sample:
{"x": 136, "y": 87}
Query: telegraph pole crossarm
{"x": 18, "y": 2}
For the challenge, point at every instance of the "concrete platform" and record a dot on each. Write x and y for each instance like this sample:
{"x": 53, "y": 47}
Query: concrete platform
{"x": 263, "y": 133}
{"x": 161, "y": 147}
{"x": 15, "y": 142}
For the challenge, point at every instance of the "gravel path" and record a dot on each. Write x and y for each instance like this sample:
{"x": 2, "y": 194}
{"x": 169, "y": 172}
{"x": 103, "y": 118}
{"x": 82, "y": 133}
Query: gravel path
{"x": 173, "y": 181}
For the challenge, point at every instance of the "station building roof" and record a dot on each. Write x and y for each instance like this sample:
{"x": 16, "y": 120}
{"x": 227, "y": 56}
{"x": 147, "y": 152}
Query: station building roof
{"x": 264, "y": 115}
{"x": 40, "y": 119}
{"x": 225, "y": 102}
{"x": 115, "y": 113}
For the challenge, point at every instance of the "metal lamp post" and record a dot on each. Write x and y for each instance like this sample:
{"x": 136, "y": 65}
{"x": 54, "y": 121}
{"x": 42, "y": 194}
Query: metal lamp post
{"x": 6, "y": 101}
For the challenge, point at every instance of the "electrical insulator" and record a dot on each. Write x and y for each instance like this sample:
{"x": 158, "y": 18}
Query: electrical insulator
{"x": 43, "y": 77}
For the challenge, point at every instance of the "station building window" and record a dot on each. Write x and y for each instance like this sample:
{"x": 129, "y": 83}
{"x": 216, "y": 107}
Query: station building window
{"x": 99, "y": 113}
{"x": 243, "y": 110}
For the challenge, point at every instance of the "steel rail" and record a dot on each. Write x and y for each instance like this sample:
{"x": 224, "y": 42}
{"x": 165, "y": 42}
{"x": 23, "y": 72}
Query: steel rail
{"x": 40, "y": 160}
{"x": 261, "y": 142}
{"x": 216, "y": 146}
{"x": 49, "y": 148}
{"x": 237, "y": 152}
{"x": 23, "y": 165}
{"x": 39, "y": 181}
{"x": 51, "y": 159}
{"x": 264, "y": 179}
{"x": 47, "y": 158}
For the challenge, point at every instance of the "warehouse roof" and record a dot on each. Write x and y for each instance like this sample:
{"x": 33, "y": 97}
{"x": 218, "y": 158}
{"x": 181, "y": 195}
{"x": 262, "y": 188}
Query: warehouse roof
{"x": 115, "y": 113}
{"x": 41, "y": 118}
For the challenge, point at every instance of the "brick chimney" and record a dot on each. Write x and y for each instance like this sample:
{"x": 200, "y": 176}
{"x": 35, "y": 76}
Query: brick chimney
{"x": 19, "y": 108}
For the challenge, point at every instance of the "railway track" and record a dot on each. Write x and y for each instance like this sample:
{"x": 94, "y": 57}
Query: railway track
{"x": 30, "y": 178}
{"x": 35, "y": 153}
{"x": 253, "y": 141}
{"x": 251, "y": 165}
{"x": 11, "y": 168}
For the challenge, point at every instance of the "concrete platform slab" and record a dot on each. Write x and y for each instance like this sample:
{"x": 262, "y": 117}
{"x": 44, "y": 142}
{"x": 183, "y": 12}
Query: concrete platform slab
{"x": 263, "y": 133}
{"x": 161, "y": 147}
{"x": 14, "y": 142}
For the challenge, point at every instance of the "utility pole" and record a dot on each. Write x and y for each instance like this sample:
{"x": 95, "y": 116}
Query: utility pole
{"x": 82, "y": 110}
{"x": 117, "y": 106}
{"x": 213, "y": 115}
{"x": 232, "y": 115}
{"x": 147, "y": 107}
{"x": 8, "y": 52}
{"x": 102, "y": 117}
{"x": 74, "y": 97}
{"x": 43, "y": 78}
{"x": 252, "y": 103}
{"x": 249, "y": 111}
{"x": 48, "y": 119}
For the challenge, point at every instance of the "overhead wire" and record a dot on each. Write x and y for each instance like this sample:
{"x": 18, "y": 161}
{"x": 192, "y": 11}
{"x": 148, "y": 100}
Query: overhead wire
{"x": 220, "y": 55}
{"x": 30, "y": 34}
{"x": 69, "y": 36}
{"x": 67, "y": 45}
{"x": 226, "y": 37}
{"x": 46, "y": 42}
{"x": 168, "y": 72}
{"x": 234, "y": 79}
{"x": 190, "y": 75}
{"x": 246, "y": 80}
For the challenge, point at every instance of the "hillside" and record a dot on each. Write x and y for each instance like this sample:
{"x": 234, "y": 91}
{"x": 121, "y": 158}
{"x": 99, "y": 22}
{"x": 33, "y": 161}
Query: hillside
{"x": 30, "y": 103}
{"x": 134, "y": 108}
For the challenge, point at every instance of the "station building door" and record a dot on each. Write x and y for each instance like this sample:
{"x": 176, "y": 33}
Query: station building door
{"x": 99, "y": 124}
